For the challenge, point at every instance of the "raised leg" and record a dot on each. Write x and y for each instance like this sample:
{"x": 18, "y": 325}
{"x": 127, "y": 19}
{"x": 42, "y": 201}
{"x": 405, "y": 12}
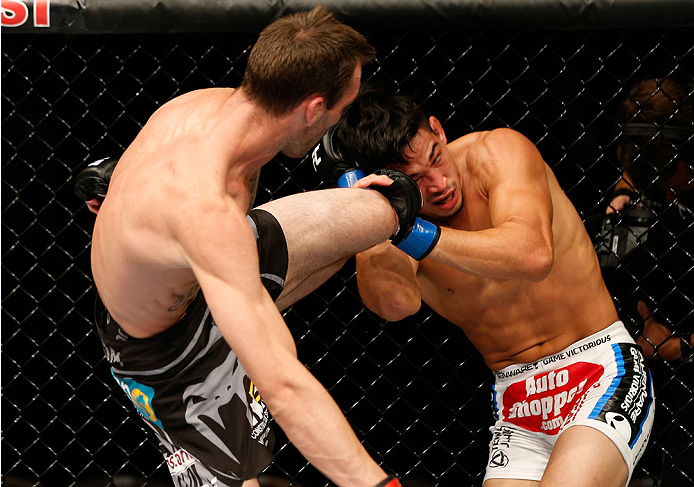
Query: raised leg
{"x": 323, "y": 229}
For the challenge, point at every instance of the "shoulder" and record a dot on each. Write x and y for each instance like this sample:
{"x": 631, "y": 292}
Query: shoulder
{"x": 503, "y": 146}
{"x": 503, "y": 142}
{"x": 193, "y": 100}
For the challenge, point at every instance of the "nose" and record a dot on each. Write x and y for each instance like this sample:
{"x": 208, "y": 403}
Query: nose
{"x": 435, "y": 183}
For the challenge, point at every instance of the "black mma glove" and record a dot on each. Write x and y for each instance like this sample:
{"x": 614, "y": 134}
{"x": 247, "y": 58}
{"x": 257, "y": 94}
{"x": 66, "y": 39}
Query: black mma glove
{"x": 92, "y": 181}
{"x": 331, "y": 166}
{"x": 415, "y": 237}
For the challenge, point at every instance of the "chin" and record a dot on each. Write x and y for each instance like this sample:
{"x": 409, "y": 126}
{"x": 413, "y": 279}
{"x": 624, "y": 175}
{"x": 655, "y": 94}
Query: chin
{"x": 441, "y": 215}
{"x": 294, "y": 153}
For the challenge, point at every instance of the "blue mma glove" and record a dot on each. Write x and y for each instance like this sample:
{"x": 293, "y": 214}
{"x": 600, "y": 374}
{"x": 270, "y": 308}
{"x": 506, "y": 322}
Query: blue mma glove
{"x": 415, "y": 236}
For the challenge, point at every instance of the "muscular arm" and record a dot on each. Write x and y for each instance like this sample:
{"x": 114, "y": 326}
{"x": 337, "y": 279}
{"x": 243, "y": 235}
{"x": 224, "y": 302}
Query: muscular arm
{"x": 387, "y": 282}
{"x": 519, "y": 245}
{"x": 219, "y": 246}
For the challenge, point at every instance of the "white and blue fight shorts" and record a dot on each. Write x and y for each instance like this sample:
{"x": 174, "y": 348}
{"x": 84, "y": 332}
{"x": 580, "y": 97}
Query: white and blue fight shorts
{"x": 601, "y": 381}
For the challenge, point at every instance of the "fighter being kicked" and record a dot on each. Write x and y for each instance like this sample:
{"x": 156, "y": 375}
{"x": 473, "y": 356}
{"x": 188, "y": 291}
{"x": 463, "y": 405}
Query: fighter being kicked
{"x": 512, "y": 266}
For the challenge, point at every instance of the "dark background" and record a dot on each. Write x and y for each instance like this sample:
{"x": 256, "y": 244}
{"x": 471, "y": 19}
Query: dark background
{"x": 416, "y": 392}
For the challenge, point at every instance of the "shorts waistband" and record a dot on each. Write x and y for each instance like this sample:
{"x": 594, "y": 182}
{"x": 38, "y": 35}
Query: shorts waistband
{"x": 617, "y": 333}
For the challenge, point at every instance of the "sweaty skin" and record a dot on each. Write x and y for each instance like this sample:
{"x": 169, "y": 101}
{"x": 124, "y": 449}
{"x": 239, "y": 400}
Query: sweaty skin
{"x": 175, "y": 222}
{"x": 514, "y": 267}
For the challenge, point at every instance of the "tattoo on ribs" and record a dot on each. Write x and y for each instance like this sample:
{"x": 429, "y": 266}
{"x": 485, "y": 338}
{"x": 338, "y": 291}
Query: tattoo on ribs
{"x": 183, "y": 299}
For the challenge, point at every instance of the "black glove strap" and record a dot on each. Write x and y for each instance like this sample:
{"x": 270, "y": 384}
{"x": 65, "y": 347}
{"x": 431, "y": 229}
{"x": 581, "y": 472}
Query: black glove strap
{"x": 387, "y": 482}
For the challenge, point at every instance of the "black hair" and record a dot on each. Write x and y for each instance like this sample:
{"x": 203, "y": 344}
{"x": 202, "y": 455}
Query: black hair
{"x": 377, "y": 128}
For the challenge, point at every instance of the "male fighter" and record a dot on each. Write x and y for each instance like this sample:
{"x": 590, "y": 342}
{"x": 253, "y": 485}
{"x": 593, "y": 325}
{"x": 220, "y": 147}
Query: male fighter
{"x": 189, "y": 325}
{"x": 507, "y": 259}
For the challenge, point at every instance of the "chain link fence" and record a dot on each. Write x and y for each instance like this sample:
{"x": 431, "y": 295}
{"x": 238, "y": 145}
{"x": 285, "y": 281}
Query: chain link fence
{"x": 416, "y": 392}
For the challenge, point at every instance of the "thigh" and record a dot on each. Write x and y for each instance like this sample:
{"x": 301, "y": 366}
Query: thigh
{"x": 583, "y": 456}
{"x": 516, "y": 454}
{"x": 322, "y": 229}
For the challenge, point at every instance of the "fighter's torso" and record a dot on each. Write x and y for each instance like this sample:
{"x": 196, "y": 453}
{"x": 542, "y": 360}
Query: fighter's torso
{"x": 518, "y": 321}
{"x": 139, "y": 268}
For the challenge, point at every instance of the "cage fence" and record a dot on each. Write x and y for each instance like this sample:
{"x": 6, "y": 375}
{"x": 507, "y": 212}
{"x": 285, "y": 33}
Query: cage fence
{"x": 416, "y": 392}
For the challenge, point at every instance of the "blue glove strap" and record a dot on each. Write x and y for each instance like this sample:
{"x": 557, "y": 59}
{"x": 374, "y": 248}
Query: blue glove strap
{"x": 348, "y": 179}
{"x": 420, "y": 240}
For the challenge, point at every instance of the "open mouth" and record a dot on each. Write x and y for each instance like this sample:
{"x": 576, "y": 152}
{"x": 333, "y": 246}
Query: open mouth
{"x": 445, "y": 200}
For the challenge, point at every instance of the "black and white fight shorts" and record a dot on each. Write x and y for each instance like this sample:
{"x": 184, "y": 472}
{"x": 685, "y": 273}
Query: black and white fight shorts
{"x": 272, "y": 250}
{"x": 188, "y": 385}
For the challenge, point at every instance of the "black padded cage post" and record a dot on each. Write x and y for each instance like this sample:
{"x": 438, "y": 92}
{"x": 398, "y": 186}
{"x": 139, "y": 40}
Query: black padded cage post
{"x": 81, "y": 77}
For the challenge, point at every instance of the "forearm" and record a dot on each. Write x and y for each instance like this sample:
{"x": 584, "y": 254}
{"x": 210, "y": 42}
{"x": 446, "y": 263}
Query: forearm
{"x": 318, "y": 429}
{"x": 298, "y": 402}
{"x": 387, "y": 282}
{"x": 507, "y": 251}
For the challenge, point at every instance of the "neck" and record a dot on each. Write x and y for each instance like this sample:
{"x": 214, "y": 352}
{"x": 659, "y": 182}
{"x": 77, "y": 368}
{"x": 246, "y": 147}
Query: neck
{"x": 253, "y": 135}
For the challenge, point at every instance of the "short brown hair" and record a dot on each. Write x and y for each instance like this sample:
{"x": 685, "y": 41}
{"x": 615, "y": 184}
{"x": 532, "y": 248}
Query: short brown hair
{"x": 302, "y": 54}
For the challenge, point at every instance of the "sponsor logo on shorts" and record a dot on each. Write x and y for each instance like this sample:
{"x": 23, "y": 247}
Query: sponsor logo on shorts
{"x": 544, "y": 401}
{"x": 501, "y": 439}
{"x": 627, "y": 401}
{"x": 571, "y": 352}
{"x": 112, "y": 356}
{"x": 141, "y": 396}
{"x": 260, "y": 415}
{"x": 179, "y": 462}
{"x": 499, "y": 459}
{"x": 635, "y": 399}
{"x": 619, "y": 423}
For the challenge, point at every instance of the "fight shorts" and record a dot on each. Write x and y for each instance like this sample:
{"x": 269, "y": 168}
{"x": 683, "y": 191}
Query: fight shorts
{"x": 190, "y": 388}
{"x": 601, "y": 381}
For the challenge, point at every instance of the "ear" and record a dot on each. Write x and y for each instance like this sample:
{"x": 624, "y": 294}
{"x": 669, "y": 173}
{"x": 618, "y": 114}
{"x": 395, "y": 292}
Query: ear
{"x": 437, "y": 128}
{"x": 315, "y": 107}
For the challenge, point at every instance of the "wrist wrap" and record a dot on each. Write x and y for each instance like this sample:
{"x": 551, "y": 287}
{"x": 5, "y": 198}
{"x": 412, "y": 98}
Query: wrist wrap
{"x": 348, "y": 179}
{"x": 390, "y": 481}
{"x": 421, "y": 240}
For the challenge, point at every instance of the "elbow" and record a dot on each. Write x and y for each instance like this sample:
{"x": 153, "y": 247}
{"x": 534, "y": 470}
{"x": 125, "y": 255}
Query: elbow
{"x": 280, "y": 391}
{"x": 396, "y": 306}
{"x": 540, "y": 263}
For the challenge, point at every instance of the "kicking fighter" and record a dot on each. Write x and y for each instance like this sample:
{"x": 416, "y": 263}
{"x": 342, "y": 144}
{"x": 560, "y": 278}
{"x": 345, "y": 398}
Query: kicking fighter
{"x": 191, "y": 280}
{"x": 504, "y": 255}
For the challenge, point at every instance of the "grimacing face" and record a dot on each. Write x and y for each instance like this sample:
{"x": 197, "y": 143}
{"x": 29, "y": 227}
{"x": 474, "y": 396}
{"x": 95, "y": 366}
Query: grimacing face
{"x": 434, "y": 169}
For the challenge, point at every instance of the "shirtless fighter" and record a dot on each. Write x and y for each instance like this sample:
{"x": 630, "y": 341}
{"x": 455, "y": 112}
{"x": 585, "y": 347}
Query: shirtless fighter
{"x": 510, "y": 263}
{"x": 188, "y": 322}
